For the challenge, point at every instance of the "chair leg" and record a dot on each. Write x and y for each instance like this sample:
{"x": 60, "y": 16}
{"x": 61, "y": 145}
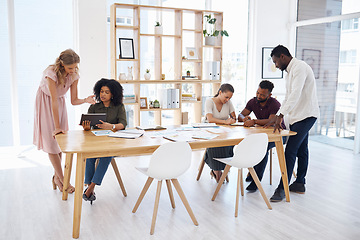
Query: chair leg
{"x": 201, "y": 167}
{"x": 168, "y": 184}
{"x": 117, "y": 174}
{"x": 270, "y": 166}
{"x": 226, "y": 171}
{"x": 142, "y": 194}
{"x": 258, "y": 184}
{"x": 241, "y": 181}
{"x": 156, "y": 206}
{"x": 184, "y": 200}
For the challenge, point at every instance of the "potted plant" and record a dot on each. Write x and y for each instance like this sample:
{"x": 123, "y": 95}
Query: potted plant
{"x": 158, "y": 28}
{"x": 147, "y": 75}
{"x": 210, "y": 32}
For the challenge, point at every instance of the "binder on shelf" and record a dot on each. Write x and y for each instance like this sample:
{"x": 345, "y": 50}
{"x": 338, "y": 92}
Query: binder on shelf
{"x": 165, "y": 98}
{"x": 175, "y": 102}
{"x": 212, "y": 70}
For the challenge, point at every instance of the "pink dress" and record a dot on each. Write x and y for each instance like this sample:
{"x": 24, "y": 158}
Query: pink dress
{"x": 43, "y": 119}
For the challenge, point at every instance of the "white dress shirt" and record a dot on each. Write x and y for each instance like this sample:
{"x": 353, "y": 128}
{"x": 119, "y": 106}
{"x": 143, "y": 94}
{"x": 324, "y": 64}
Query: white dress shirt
{"x": 300, "y": 100}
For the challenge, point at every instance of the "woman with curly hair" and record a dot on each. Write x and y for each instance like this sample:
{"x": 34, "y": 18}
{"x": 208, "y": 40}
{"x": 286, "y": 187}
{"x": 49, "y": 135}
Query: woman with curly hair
{"x": 50, "y": 116}
{"x": 109, "y": 97}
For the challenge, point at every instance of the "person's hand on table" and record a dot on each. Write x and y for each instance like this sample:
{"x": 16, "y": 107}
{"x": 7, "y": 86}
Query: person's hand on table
{"x": 276, "y": 120}
{"x": 246, "y": 118}
{"x": 230, "y": 121}
{"x": 57, "y": 131}
{"x": 249, "y": 123}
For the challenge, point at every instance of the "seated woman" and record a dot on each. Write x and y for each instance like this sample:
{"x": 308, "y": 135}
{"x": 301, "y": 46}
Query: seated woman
{"x": 219, "y": 109}
{"x": 109, "y": 97}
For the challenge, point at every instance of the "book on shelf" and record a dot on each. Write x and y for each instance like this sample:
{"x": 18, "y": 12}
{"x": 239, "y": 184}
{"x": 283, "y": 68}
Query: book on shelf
{"x": 129, "y": 98}
{"x": 188, "y": 97}
{"x": 189, "y": 77}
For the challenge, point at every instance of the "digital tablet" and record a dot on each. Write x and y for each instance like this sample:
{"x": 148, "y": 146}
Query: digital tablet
{"x": 94, "y": 118}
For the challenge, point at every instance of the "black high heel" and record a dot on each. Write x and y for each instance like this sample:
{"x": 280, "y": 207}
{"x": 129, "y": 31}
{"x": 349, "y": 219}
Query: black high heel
{"x": 91, "y": 198}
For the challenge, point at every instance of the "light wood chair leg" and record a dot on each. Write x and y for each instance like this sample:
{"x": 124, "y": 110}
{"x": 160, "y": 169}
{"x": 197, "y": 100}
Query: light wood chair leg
{"x": 142, "y": 194}
{"x": 258, "y": 184}
{"x": 201, "y": 167}
{"x": 226, "y": 171}
{"x": 270, "y": 153}
{"x": 241, "y": 181}
{"x": 117, "y": 173}
{"x": 184, "y": 200}
{"x": 168, "y": 184}
{"x": 156, "y": 207}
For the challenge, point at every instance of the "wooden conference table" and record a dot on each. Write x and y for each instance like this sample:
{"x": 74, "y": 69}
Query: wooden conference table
{"x": 85, "y": 144}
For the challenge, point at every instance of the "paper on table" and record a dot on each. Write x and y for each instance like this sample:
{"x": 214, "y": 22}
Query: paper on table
{"x": 129, "y": 133}
{"x": 237, "y": 124}
{"x": 151, "y": 127}
{"x": 204, "y": 125}
{"x": 101, "y": 132}
{"x": 203, "y": 135}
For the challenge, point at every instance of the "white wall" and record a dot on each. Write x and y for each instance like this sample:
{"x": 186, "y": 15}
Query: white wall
{"x": 91, "y": 45}
{"x": 270, "y": 24}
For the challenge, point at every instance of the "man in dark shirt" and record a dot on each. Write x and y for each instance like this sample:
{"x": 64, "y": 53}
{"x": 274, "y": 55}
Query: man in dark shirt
{"x": 264, "y": 107}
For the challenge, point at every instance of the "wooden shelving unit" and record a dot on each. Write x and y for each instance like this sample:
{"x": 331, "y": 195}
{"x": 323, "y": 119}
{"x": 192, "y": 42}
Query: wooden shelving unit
{"x": 140, "y": 31}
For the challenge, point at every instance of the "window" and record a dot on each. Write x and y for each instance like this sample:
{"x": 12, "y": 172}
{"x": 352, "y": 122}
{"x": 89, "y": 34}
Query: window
{"x": 350, "y": 24}
{"x": 348, "y": 56}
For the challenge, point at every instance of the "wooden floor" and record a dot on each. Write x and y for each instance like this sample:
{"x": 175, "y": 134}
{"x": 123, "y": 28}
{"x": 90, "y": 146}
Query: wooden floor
{"x": 330, "y": 209}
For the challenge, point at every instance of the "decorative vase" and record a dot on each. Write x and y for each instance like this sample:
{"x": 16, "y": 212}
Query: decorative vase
{"x": 122, "y": 76}
{"x": 147, "y": 76}
{"x": 159, "y": 30}
{"x": 210, "y": 40}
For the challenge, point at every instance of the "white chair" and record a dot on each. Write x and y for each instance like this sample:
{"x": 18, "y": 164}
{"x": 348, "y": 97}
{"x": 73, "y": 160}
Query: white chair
{"x": 167, "y": 163}
{"x": 249, "y": 152}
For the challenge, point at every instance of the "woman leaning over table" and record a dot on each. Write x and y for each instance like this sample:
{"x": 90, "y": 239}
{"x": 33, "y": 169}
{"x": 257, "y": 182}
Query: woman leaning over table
{"x": 219, "y": 109}
{"x": 109, "y": 95}
{"x": 50, "y": 116}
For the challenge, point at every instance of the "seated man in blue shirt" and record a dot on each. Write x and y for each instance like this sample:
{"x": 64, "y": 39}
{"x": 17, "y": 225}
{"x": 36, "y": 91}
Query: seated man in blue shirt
{"x": 264, "y": 107}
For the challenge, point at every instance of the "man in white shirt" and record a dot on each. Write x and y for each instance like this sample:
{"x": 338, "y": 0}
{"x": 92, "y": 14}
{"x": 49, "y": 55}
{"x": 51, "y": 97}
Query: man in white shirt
{"x": 301, "y": 106}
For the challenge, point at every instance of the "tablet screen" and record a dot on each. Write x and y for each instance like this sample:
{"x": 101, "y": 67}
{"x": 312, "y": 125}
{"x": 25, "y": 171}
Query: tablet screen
{"x": 94, "y": 118}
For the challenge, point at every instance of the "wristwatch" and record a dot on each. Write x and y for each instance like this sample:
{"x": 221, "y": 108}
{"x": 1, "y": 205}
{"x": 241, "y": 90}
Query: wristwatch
{"x": 113, "y": 128}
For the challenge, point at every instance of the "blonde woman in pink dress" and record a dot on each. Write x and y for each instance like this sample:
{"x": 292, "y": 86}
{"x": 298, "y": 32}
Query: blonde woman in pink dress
{"x": 50, "y": 109}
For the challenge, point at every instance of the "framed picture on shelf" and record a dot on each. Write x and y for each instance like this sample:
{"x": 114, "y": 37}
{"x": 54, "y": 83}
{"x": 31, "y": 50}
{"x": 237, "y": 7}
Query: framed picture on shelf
{"x": 143, "y": 103}
{"x": 191, "y": 53}
{"x": 126, "y": 46}
{"x": 269, "y": 71}
{"x": 312, "y": 57}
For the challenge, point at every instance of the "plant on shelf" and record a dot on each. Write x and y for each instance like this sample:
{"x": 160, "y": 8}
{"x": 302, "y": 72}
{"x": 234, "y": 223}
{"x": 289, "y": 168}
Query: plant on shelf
{"x": 158, "y": 28}
{"x": 147, "y": 75}
{"x": 210, "y": 31}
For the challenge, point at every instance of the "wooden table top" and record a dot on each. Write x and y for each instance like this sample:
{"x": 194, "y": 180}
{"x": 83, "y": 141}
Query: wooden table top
{"x": 85, "y": 142}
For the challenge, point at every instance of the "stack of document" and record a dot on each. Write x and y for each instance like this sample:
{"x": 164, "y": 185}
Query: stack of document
{"x": 129, "y": 133}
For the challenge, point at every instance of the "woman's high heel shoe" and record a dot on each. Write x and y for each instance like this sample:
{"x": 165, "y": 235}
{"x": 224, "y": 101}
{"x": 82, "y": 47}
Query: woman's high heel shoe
{"x": 213, "y": 175}
{"x": 53, "y": 182}
{"x": 91, "y": 198}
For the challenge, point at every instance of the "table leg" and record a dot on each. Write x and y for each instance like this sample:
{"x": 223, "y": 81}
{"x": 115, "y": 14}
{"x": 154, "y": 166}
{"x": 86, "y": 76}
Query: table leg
{"x": 79, "y": 183}
{"x": 67, "y": 174}
{"x": 281, "y": 156}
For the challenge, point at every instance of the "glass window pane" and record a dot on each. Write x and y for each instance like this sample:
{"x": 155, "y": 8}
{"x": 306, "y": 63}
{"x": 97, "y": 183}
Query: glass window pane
{"x": 331, "y": 51}
{"x": 36, "y": 48}
{"x": 6, "y": 138}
